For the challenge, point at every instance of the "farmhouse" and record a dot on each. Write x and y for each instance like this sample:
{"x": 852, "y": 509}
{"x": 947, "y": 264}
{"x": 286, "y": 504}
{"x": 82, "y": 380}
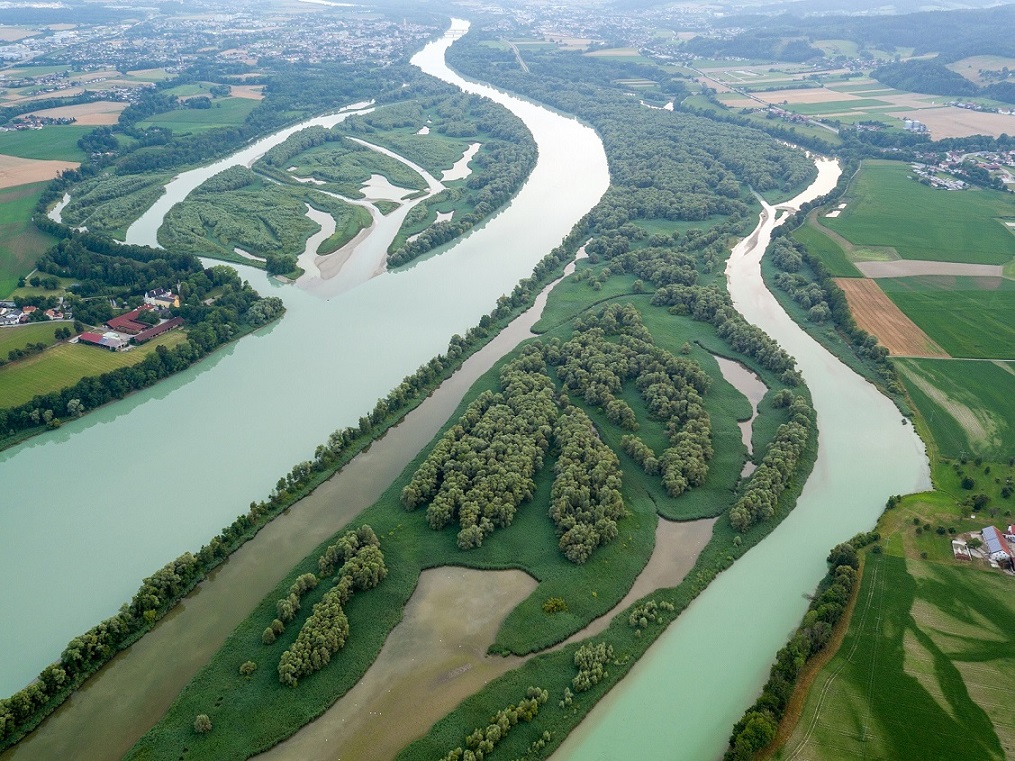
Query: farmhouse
{"x": 110, "y": 341}
{"x": 150, "y": 333}
{"x": 996, "y": 546}
{"x": 128, "y": 323}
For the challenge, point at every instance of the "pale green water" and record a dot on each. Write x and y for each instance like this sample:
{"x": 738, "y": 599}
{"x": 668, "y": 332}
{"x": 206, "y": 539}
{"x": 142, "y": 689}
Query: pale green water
{"x": 92, "y": 508}
{"x": 681, "y": 700}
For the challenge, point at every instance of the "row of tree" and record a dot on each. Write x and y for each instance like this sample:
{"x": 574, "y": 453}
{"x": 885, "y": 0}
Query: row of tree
{"x": 759, "y": 724}
{"x": 671, "y": 387}
{"x": 585, "y": 499}
{"x": 326, "y": 629}
{"x": 481, "y": 741}
{"x": 777, "y": 470}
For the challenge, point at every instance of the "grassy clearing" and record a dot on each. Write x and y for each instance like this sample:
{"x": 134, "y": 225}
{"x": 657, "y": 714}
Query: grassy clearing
{"x": 967, "y": 406}
{"x": 66, "y": 364}
{"x": 887, "y": 208}
{"x": 968, "y": 317}
{"x": 252, "y": 713}
{"x": 58, "y": 142}
{"x": 224, "y": 112}
{"x": 828, "y": 250}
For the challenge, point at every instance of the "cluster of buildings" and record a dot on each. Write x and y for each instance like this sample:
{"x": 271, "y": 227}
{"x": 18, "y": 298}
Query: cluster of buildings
{"x": 985, "y": 109}
{"x": 129, "y": 329}
{"x": 1000, "y": 165}
{"x": 930, "y": 175}
{"x": 996, "y": 547}
{"x": 11, "y": 314}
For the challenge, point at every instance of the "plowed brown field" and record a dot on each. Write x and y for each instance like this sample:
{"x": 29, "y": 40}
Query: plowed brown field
{"x": 878, "y": 315}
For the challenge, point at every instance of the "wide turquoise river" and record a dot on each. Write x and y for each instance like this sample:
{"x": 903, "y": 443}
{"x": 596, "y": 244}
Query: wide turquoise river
{"x": 106, "y": 500}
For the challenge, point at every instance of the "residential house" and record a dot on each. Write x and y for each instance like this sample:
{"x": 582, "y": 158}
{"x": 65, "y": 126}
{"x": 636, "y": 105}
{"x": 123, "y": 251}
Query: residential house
{"x": 162, "y": 298}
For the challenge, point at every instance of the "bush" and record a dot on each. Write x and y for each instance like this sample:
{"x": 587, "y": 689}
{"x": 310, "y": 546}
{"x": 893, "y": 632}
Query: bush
{"x": 202, "y": 724}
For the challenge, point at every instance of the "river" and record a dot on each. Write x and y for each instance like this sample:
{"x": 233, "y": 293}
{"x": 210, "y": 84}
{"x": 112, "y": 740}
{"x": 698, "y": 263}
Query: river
{"x": 105, "y": 500}
{"x": 681, "y": 699}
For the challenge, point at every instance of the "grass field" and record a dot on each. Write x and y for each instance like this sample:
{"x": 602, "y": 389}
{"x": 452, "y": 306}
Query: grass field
{"x": 968, "y": 317}
{"x": 923, "y": 670}
{"x": 826, "y": 249}
{"x": 55, "y": 142}
{"x": 887, "y": 208}
{"x": 21, "y": 243}
{"x": 967, "y": 406}
{"x": 21, "y": 336}
{"x": 835, "y": 106}
{"x": 225, "y": 112}
{"x": 65, "y": 365}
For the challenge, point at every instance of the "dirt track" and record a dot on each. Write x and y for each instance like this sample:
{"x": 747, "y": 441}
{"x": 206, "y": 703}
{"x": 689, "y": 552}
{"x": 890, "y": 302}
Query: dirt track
{"x": 877, "y": 314}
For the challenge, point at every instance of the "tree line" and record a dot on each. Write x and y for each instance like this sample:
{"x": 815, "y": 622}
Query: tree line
{"x": 326, "y": 629}
{"x": 759, "y": 724}
{"x": 482, "y": 740}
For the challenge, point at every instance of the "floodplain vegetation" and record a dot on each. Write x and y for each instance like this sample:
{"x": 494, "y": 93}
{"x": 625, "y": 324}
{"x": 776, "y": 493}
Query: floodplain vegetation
{"x": 653, "y": 289}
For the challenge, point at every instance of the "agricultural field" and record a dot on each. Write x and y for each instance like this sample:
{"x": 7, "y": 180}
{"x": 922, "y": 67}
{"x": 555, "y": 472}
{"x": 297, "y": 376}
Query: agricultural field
{"x": 923, "y": 668}
{"x": 16, "y": 171}
{"x": 874, "y": 311}
{"x": 968, "y": 406}
{"x": 828, "y": 248}
{"x": 21, "y": 243}
{"x": 967, "y": 316}
{"x": 703, "y": 103}
{"x": 66, "y": 364}
{"x": 54, "y": 143}
{"x": 95, "y": 114}
{"x": 224, "y": 112}
{"x": 21, "y": 336}
{"x": 886, "y": 208}
{"x": 973, "y": 67}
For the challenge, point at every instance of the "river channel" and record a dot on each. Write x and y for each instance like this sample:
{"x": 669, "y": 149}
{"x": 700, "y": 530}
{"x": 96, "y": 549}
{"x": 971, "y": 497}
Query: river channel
{"x": 681, "y": 699}
{"x": 107, "y": 499}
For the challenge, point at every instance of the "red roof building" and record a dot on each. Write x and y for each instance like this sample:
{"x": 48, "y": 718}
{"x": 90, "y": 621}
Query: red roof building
{"x": 158, "y": 330}
{"x": 127, "y": 323}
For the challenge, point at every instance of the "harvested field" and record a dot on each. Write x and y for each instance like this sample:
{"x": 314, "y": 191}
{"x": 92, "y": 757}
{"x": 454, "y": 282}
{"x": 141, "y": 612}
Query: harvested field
{"x": 15, "y": 171}
{"x": 99, "y": 113}
{"x": 13, "y": 33}
{"x": 961, "y": 122}
{"x": 914, "y": 267}
{"x": 878, "y": 315}
{"x": 252, "y": 92}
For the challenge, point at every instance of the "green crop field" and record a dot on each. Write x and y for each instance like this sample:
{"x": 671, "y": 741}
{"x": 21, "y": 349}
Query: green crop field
{"x": 887, "y": 208}
{"x": 65, "y": 365}
{"x": 923, "y": 672}
{"x": 830, "y": 252}
{"x": 835, "y": 106}
{"x": 58, "y": 142}
{"x": 227, "y": 112}
{"x": 22, "y": 335}
{"x": 969, "y": 406}
{"x": 19, "y": 337}
{"x": 21, "y": 243}
{"x": 968, "y": 317}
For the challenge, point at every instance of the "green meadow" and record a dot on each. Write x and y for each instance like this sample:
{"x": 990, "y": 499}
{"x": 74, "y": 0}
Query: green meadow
{"x": 923, "y": 671}
{"x": 66, "y": 364}
{"x": 968, "y": 406}
{"x": 21, "y": 243}
{"x": 225, "y": 112}
{"x": 32, "y": 333}
{"x": 967, "y": 316}
{"x": 57, "y": 142}
{"x": 826, "y": 249}
{"x": 885, "y": 207}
